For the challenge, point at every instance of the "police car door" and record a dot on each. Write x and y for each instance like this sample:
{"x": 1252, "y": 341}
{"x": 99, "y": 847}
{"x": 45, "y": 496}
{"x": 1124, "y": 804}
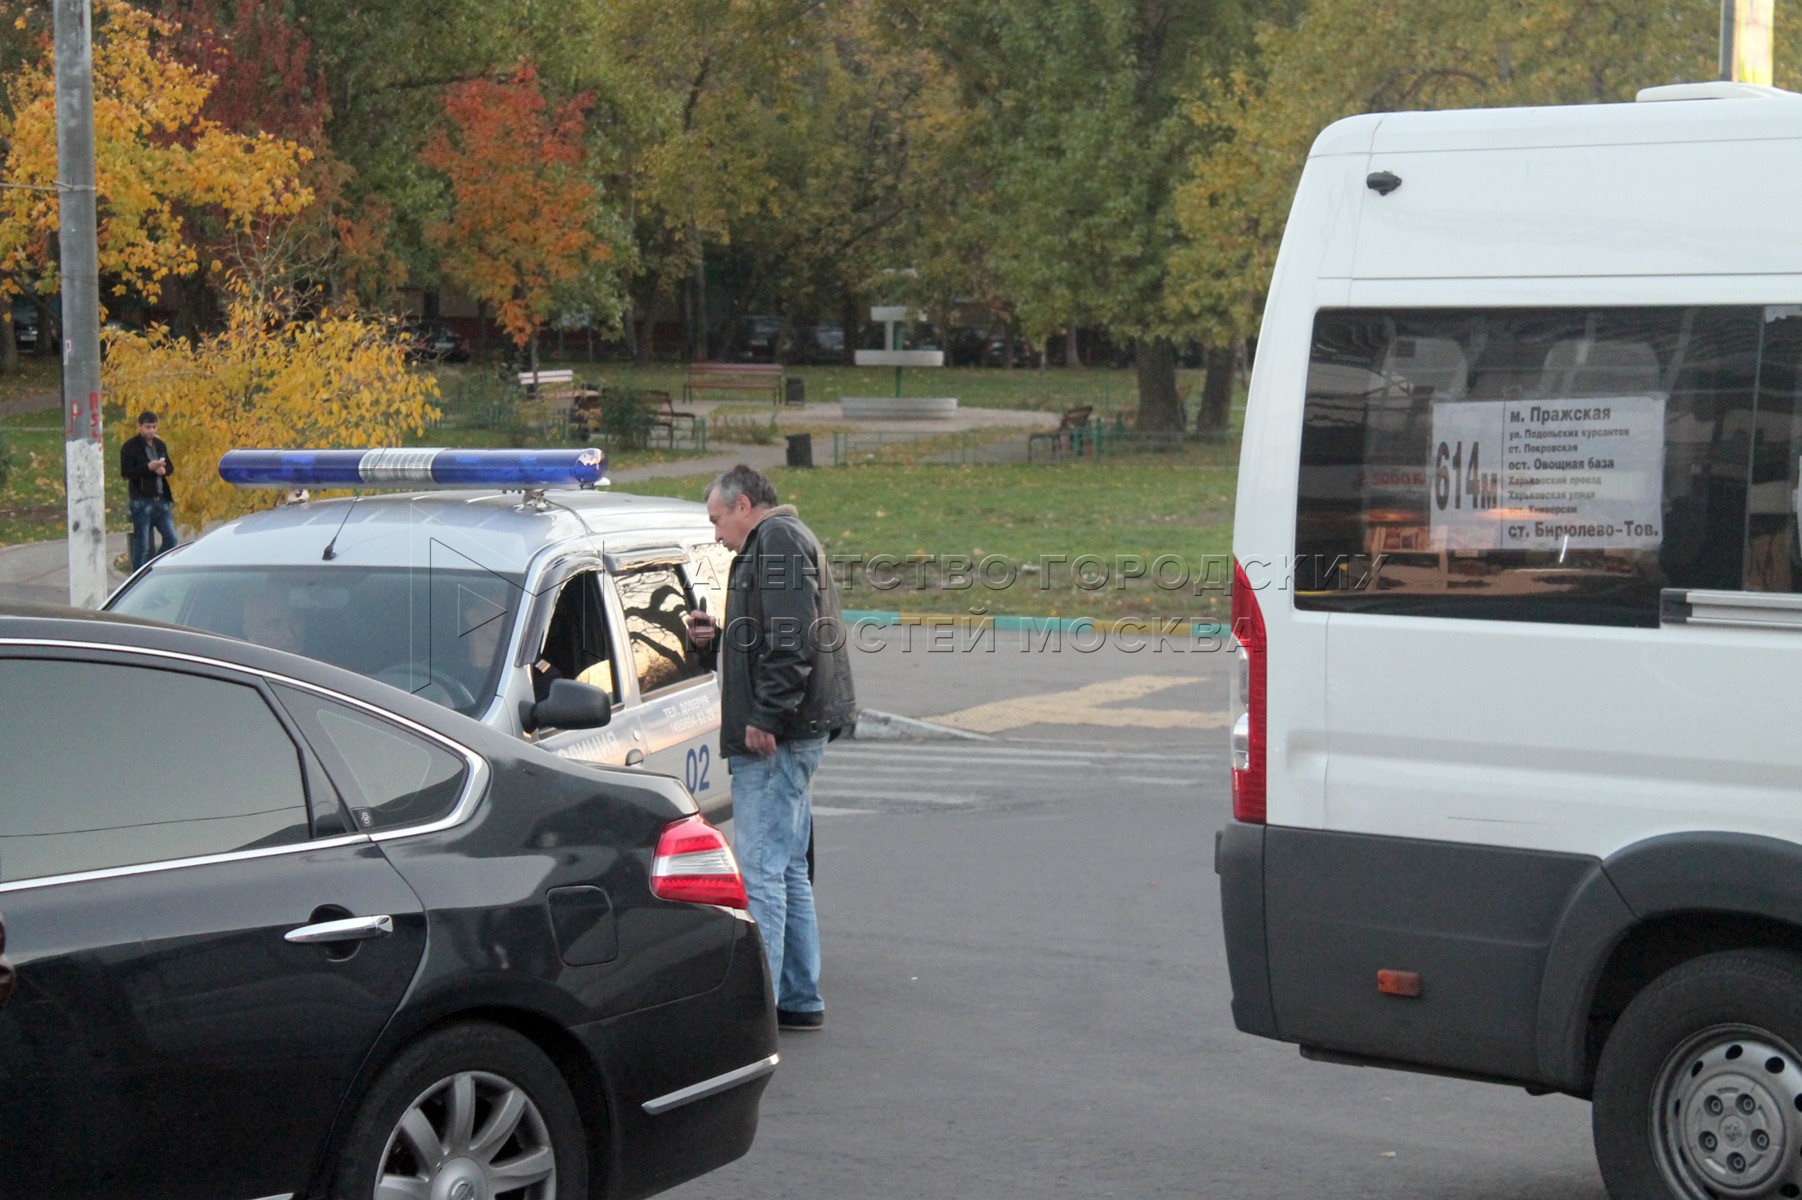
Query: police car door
{"x": 572, "y": 635}
{"x": 678, "y": 704}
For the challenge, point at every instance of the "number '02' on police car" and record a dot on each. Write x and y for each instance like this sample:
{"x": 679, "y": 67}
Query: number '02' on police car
{"x": 1517, "y": 762}
{"x": 498, "y": 583}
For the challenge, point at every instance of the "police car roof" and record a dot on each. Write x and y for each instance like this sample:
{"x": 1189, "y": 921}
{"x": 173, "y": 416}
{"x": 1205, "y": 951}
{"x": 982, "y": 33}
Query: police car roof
{"x": 496, "y": 530}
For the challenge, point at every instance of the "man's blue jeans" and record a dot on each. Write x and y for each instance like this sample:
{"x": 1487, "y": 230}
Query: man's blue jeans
{"x": 772, "y": 816}
{"x": 148, "y": 515}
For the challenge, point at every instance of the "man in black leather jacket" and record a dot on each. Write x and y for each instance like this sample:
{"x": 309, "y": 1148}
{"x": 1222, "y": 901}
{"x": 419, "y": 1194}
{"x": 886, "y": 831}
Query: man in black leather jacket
{"x": 785, "y": 691}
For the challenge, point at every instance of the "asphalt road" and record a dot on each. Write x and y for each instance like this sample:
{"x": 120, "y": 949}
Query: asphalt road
{"x": 1025, "y": 985}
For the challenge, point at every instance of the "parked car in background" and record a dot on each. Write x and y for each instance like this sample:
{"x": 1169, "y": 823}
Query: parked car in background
{"x": 434, "y": 341}
{"x": 756, "y": 339}
{"x": 281, "y": 930}
{"x": 996, "y": 352}
{"x": 821, "y": 343}
{"x": 26, "y": 326}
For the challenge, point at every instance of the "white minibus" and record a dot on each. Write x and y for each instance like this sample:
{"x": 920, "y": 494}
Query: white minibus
{"x": 1517, "y": 787}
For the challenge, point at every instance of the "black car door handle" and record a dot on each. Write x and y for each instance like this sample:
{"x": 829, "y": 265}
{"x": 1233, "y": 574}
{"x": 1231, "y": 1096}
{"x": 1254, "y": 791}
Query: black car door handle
{"x": 350, "y": 929}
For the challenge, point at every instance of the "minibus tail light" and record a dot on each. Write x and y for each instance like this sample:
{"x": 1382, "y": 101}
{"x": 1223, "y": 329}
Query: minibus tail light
{"x": 1250, "y": 743}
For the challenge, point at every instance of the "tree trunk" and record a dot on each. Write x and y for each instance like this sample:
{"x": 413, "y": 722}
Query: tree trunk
{"x": 1072, "y": 350}
{"x": 1217, "y": 391}
{"x": 848, "y": 321}
{"x": 1160, "y": 407}
{"x": 9, "y": 344}
{"x": 532, "y": 353}
{"x": 697, "y": 314}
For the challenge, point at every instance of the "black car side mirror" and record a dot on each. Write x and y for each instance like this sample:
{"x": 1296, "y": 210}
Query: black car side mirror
{"x": 570, "y": 705}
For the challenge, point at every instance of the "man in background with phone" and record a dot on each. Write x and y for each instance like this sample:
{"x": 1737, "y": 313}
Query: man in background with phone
{"x": 145, "y": 464}
{"x": 785, "y": 691}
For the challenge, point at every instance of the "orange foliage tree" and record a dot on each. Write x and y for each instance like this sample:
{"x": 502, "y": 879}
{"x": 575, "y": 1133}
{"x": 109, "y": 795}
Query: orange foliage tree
{"x": 521, "y": 215}
{"x": 155, "y": 154}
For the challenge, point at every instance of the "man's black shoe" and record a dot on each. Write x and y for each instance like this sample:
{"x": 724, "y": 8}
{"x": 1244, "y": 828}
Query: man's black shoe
{"x": 800, "y": 1020}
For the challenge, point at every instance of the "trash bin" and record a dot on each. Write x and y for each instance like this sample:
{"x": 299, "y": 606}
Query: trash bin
{"x": 800, "y": 449}
{"x": 794, "y": 391}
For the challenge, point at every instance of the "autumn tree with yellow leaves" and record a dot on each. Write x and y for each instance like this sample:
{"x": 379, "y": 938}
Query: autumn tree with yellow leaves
{"x": 268, "y": 379}
{"x": 155, "y": 154}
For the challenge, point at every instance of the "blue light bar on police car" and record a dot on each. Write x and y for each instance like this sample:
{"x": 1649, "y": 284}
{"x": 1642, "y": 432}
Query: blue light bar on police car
{"x": 414, "y": 468}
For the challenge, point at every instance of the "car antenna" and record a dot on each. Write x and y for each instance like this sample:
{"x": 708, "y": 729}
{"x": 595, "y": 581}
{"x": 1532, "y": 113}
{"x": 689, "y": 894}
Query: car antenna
{"x": 330, "y": 553}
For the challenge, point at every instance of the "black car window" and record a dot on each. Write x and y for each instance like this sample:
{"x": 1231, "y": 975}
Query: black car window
{"x": 656, "y": 604}
{"x": 109, "y": 765}
{"x": 389, "y": 776}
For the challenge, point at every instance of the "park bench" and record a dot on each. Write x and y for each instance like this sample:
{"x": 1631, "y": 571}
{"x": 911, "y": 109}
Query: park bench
{"x": 1067, "y": 436}
{"x": 664, "y": 411}
{"x": 559, "y": 388}
{"x": 760, "y": 379}
{"x": 659, "y": 408}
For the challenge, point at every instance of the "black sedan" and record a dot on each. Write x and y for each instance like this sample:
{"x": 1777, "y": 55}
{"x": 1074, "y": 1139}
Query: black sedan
{"x": 282, "y": 931}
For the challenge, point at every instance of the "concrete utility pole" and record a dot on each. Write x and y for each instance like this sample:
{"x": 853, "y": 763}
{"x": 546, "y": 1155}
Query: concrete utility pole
{"x": 1746, "y": 40}
{"x": 83, "y": 448}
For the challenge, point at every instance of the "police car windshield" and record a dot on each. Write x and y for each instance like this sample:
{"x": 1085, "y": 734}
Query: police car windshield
{"x": 439, "y": 634}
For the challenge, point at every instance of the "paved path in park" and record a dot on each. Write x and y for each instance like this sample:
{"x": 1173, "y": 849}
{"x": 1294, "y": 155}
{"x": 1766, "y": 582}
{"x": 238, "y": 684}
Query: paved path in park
{"x": 25, "y": 404}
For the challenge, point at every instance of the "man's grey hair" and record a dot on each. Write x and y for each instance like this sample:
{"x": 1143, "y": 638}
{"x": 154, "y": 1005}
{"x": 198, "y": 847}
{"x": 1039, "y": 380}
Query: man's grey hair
{"x": 742, "y": 480}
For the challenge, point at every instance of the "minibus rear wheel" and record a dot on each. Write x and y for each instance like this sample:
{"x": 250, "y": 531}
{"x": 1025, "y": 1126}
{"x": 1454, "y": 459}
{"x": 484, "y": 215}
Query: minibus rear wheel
{"x": 1699, "y": 1090}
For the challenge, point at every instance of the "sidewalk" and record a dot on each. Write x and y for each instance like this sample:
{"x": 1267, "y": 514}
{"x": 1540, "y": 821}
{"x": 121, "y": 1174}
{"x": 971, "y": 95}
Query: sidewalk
{"x": 38, "y": 572}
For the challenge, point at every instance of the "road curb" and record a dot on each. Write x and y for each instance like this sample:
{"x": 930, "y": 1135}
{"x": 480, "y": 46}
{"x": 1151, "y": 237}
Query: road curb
{"x": 874, "y": 726}
{"x": 1167, "y": 626}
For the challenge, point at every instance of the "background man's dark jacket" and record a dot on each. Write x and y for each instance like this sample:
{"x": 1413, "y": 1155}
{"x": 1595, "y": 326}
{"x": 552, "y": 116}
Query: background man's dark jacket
{"x": 134, "y": 468}
{"x": 785, "y": 666}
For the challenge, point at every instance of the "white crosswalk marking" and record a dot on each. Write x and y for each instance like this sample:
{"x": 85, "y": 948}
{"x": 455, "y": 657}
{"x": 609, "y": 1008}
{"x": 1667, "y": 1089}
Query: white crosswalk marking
{"x": 902, "y": 777}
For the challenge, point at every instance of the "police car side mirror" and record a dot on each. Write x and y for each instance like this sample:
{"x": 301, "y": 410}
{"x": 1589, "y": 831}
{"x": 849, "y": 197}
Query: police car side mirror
{"x": 571, "y": 705}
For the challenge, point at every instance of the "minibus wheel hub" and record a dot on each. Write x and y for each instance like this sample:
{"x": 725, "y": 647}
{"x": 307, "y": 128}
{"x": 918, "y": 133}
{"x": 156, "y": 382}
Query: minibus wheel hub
{"x": 1729, "y": 1114}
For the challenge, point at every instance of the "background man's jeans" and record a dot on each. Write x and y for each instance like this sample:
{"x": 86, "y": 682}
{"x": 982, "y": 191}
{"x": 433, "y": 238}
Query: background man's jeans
{"x": 772, "y": 815}
{"x": 147, "y": 515}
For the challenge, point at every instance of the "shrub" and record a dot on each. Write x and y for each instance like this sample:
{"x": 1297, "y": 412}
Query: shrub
{"x": 626, "y": 421}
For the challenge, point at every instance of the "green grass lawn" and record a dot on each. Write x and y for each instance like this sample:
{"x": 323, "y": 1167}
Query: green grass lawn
{"x": 33, "y": 506}
{"x": 1032, "y": 524}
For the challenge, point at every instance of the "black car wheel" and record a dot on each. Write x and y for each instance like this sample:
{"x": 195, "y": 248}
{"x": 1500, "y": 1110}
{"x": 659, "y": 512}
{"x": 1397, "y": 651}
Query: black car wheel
{"x": 471, "y": 1112}
{"x": 1699, "y": 1091}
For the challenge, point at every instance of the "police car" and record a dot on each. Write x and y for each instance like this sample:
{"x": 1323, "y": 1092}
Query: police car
{"x": 500, "y": 583}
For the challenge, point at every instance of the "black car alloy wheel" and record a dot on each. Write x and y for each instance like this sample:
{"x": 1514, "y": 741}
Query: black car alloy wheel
{"x": 470, "y": 1112}
{"x": 1698, "y": 1095}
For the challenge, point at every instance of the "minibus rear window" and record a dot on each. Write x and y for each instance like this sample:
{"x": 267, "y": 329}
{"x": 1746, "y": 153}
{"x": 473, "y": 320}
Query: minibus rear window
{"x": 1548, "y": 464}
